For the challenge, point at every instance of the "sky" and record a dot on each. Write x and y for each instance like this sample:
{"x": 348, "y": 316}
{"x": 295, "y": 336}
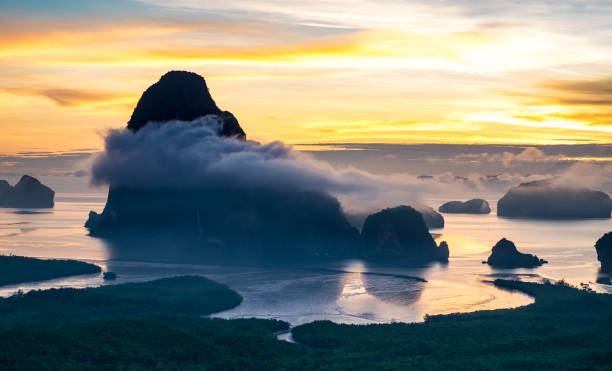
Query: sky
{"x": 313, "y": 72}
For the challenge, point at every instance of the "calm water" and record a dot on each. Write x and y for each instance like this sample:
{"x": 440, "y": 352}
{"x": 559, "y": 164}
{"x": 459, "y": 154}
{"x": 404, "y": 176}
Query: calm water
{"x": 349, "y": 291}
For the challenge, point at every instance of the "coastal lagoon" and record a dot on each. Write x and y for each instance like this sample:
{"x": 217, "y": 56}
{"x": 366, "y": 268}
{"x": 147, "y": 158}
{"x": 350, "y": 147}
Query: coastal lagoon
{"x": 342, "y": 291}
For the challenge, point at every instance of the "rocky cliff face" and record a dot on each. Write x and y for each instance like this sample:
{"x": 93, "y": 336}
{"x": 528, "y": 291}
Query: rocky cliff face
{"x": 432, "y": 218}
{"x": 545, "y": 200}
{"x": 505, "y": 255}
{"x": 4, "y": 187}
{"x": 401, "y": 232}
{"x": 257, "y": 218}
{"x": 181, "y": 95}
{"x": 604, "y": 252}
{"x": 27, "y": 193}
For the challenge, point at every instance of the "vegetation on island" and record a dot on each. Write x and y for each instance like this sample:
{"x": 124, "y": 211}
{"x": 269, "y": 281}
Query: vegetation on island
{"x": 565, "y": 328}
{"x": 20, "y": 269}
{"x": 158, "y": 325}
{"x": 152, "y": 325}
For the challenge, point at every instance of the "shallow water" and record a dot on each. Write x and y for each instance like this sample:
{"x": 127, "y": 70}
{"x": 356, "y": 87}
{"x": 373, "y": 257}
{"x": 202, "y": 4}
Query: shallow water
{"x": 347, "y": 291}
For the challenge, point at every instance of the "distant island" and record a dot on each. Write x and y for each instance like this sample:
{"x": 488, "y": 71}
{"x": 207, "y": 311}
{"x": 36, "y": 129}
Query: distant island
{"x": 20, "y": 269}
{"x": 29, "y": 192}
{"x": 603, "y": 246}
{"x": 473, "y": 206}
{"x": 505, "y": 255}
{"x": 543, "y": 199}
{"x": 264, "y": 219}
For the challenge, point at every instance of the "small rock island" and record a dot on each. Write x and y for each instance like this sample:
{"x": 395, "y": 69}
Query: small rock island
{"x": 473, "y": 206}
{"x": 29, "y": 192}
{"x": 432, "y": 218}
{"x": 401, "y": 231}
{"x": 505, "y": 255}
{"x": 543, "y": 199}
{"x": 604, "y": 252}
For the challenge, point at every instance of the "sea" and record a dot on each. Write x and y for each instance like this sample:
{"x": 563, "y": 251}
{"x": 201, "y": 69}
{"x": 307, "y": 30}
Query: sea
{"x": 352, "y": 291}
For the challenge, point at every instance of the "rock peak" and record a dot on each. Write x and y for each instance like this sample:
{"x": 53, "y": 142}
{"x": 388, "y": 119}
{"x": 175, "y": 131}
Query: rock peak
{"x": 181, "y": 95}
{"x": 28, "y": 192}
{"x": 27, "y": 179}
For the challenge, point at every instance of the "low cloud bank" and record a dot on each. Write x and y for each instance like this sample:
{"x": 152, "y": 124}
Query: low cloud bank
{"x": 590, "y": 175}
{"x": 191, "y": 155}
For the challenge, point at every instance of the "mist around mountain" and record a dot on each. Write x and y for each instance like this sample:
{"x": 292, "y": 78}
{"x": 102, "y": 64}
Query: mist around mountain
{"x": 551, "y": 199}
{"x": 184, "y": 165}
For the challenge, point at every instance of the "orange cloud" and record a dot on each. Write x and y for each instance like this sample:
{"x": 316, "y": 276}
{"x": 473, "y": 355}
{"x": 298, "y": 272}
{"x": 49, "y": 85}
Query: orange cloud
{"x": 70, "y": 97}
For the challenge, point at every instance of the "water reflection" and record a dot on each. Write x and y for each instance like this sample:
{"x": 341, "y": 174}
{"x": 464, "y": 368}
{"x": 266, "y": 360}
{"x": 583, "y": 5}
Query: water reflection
{"x": 376, "y": 298}
{"x": 341, "y": 291}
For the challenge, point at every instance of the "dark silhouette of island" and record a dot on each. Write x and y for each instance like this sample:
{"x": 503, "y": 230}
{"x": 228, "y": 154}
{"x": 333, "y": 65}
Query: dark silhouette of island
{"x": 181, "y": 95}
{"x": 604, "y": 252}
{"x": 401, "y": 231}
{"x": 265, "y": 218}
{"x": 543, "y": 199}
{"x": 505, "y": 255}
{"x": 473, "y": 206}
{"x": 19, "y": 269}
{"x": 4, "y": 187}
{"x": 27, "y": 193}
{"x": 432, "y": 218}
{"x": 256, "y": 220}
{"x": 109, "y": 276}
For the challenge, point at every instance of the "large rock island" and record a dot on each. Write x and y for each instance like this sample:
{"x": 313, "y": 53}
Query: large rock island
{"x": 223, "y": 214}
{"x": 401, "y": 232}
{"x": 604, "y": 252}
{"x": 505, "y": 255}
{"x": 183, "y": 173}
{"x": 543, "y": 199}
{"x": 473, "y": 206}
{"x": 27, "y": 193}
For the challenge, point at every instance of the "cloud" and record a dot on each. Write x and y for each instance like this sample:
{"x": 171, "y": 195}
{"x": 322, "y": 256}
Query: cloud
{"x": 592, "y": 92}
{"x": 80, "y": 173}
{"x": 601, "y": 87}
{"x": 42, "y": 163}
{"x": 592, "y": 117}
{"x": 188, "y": 155}
{"x": 529, "y": 154}
{"x": 591, "y": 175}
{"x": 69, "y": 97}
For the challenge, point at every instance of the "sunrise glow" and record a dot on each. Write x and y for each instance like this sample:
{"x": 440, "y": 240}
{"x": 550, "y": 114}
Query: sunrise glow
{"x": 404, "y": 73}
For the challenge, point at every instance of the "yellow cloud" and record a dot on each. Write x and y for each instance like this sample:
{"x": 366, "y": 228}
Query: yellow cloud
{"x": 377, "y": 85}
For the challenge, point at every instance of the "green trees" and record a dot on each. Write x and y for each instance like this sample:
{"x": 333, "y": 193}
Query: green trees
{"x": 19, "y": 269}
{"x": 158, "y": 325}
